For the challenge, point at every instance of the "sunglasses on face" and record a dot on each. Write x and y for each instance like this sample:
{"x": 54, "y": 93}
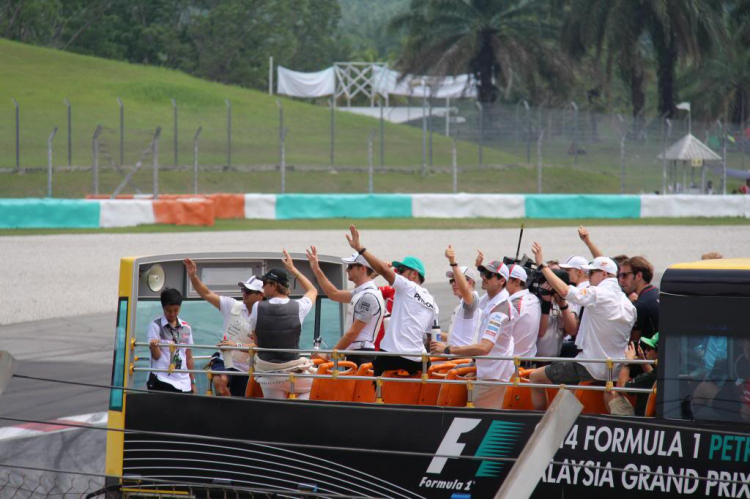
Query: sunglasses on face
{"x": 623, "y": 275}
{"x": 401, "y": 269}
{"x": 246, "y": 291}
{"x": 353, "y": 266}
{"x": 488, "y": 275}
{"x": 451, "y": 281}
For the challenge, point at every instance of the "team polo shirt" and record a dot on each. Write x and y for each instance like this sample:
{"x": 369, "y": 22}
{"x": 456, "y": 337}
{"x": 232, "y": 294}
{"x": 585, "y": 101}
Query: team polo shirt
{"x": 605, "y": 326}
{"x": 414, "y": 311}
{"x": 499, "y": 332}
{"x": 160, "y": 329}
{"x": 236, "y": 328}
{"x": 647, "y": 306}
{"x": 365, "y": 308}
{"x": 465, "y": 321}
{"x": 525, "y": 322}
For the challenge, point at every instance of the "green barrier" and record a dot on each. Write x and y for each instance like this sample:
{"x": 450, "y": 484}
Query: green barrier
{"x": 48, "y": 214}
{"x": 295, "y": 206}
{"x": 582, "y": 206}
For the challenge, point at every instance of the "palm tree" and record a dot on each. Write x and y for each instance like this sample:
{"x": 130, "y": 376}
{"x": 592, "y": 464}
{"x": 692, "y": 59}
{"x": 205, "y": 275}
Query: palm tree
{"x": 505, "y": 40}
{"x": 624, "y": 29}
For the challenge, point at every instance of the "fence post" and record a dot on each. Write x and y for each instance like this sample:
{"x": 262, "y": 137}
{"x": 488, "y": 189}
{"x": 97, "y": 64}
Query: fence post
{"x": 176, "y": 143}
{"x": 447, "y": 116}
{"x": 623, "y": 135}
{"x": 270, "y": 75}
{"x": 122, "y": 128}
{"x": 195, "y": 159}
{"x": 95, "y": 153}
{"x": 18, "y": 132}
{"x": 382, "y": 133}
{"x": 424, "y": 128}
{"x": 667, "y": 133}
{"x": 528, "y": 132}
{"x": 333, "y": 129}
{"x": 155, "y": 158}
{"x": 454, "y": 154}
{"x": 229, "y": 132}
{"x": 49, "y": 162}
{"x": 370, "y": 162}
{"x": 575, "y": 132}
{"x": 70, "y": 131}
{"x": 481, "y": 134}
{"x": 430, "y": 123}
{"x": 539, "y": 162}
{"x": 724, "y": 156}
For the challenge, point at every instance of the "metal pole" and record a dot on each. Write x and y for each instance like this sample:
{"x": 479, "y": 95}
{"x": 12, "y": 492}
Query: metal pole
{"x": 430, "y": 122}
{"x": 447, "y": 116}
{"x": 49, "y": 162}
{"x": 229, "y": 132}
{"x": 528, "y": 132}
{"x": 622, "y": 164}
{"x": 481, "y": 134}
{"x": 370, "y": 162}
{"x": 424, "y": 129}
{"x": 270, "y": 75}
{"x": 333, "y": 128}
{"x": 575, "y": 133}
{"x": 195, "y": 159}
{"x": 283, "y": 160}
{"x": 122, "y": 128}
{"x": 454, "y": 153}
{"x": 724, "y": 157}
{"x": 155, "y": 158}
{"x": 382, "y": 133}
{"x": 174, "y": 107}
{"x": 667, "y": 132}
{"x": 70, "y": 131}
{"x": 539, "y": 163}
{"x": 95, "y": 153}
{"x": 18, "y": 132}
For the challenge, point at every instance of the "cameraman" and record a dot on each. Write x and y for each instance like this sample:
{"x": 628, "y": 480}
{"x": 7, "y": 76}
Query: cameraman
{"x": 557, "y": 320}
{"x": 604, "y": 331}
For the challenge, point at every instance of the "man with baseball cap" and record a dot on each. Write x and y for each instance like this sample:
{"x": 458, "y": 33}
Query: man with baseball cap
{"x": 236, "y": 330}
{"x": 366, "y": 306}
{"x": 464, "y": 326}
{"x": 605, "y": 327}
{"x": 527, "y": 314}
{"x": 575, "y": 266}
{"x": 495, "y": 338}
{"x": 414, "y": 309}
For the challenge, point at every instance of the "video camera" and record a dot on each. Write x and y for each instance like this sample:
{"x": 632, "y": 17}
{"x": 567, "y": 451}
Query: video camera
{"x": 535, "y": 277}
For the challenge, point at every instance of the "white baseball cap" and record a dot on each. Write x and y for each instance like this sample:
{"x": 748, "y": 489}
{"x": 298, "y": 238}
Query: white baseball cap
{"x": 518, "y": 272}
{"x": 357, "y": 259}
{"x": 575, "y": 262}
{"x": 252, "y": 284}
{"x": 469, "y": 272}
{"x": 603, "y": 263}
{"x": 496, "y": 267}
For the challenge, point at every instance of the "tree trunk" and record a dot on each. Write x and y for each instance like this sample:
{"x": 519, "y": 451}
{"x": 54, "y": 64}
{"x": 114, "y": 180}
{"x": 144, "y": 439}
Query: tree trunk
{"x": 484, "y": 66}
{"x": 666, "y": 60}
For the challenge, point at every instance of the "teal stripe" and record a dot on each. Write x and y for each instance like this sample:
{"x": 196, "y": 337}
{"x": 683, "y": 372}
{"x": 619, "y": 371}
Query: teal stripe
{"x": 293, "y": 206}
{"x": 48, "y": 214}
{"x": 582, "y": 206}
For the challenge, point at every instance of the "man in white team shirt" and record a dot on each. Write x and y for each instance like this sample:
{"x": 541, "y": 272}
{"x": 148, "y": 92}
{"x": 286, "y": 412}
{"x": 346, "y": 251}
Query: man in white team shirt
{"x": 527, "y": 313}
{"x": 495, "y": 337}
{"x": 464, "y": 326}
{"x": 236, "y": 330}
{"x": 605, "y": 326}
{"x": 414, "y": 309}
{"x": 579, "y": 277}
{"x": 366, "y": 306}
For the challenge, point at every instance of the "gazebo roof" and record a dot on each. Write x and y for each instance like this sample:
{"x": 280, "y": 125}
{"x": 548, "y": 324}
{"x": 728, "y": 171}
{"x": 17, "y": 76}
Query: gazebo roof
{"x": 689, "y": 148}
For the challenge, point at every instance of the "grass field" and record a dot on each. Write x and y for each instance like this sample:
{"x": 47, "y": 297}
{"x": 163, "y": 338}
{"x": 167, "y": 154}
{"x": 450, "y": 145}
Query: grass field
{"x": 385, "y": 224}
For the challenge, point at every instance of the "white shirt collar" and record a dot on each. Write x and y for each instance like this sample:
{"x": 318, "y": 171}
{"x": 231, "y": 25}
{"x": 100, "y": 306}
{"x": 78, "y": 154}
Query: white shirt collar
{"x": 518, "y": 293}
{"x": 164, "y": 321}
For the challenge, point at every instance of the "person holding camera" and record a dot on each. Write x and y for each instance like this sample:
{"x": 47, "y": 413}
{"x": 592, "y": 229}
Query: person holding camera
{"x": 604, "y": 331}
{"x": 557, "y": 320}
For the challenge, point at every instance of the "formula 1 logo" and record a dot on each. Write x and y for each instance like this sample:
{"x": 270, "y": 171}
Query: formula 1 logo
{"x": 498, "y": 441}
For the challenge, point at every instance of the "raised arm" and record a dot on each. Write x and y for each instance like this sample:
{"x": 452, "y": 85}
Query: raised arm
{"x": 583, "y": 233}
{"x": 199, "y": 287}
{"x": 557, "y": 284}
{"x": 461, "y": 282}
{"x": 376, "y": 263}
{"x": 310, "y": 291}
{"x": 329, "y": 289}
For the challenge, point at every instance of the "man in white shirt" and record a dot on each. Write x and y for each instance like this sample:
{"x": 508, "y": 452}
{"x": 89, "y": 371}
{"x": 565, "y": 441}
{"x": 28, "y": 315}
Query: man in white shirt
{"x": 414, "y": 309}
{"x": 464, "y": 326}
{"x": 277, "y": 323}
{"x": 527, "y": 313}
{"x": 169, "y": 328}
{"x": 366, "y": 306}
{"x": 496, "y": 338}
{"x": 236, "y": 330}
{"x": 579, "y": 277}
{"x": 605, "y": 327}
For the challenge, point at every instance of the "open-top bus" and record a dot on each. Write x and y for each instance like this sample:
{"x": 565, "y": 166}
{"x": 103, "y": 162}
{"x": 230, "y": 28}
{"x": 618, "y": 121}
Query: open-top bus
{"x": 421, "y": 436}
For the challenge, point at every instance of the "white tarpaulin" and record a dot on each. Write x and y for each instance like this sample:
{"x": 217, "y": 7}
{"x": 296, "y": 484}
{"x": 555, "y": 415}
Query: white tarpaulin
{"x": 386, "y": 81}
{"x": 299, "y": 84}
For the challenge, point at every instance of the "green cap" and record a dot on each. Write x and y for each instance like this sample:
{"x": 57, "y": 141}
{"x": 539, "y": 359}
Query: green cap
{"x": 412, "y": 262}
{"x": 653, "y": 342}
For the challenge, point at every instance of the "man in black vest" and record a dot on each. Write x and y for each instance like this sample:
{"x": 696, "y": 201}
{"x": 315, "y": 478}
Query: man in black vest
{"x": 277, "y": 323}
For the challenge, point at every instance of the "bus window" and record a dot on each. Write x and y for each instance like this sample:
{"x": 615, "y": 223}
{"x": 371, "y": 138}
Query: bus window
{"x": 712, "y": 380}
{"x": 118, "y": 362}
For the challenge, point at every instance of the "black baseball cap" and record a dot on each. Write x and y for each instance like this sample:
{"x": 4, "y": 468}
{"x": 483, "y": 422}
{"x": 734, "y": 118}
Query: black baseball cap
{"x": 280, "y": 276}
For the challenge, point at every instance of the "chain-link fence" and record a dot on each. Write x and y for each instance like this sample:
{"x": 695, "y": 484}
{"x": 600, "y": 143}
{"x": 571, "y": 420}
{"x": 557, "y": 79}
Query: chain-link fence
{"x": 290, "y": 146}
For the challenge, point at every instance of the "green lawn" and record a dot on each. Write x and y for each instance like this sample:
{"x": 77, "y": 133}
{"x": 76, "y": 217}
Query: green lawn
{"x": 383, "y": 224}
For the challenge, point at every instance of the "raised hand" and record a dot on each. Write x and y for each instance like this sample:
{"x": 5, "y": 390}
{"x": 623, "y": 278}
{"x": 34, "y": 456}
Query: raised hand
{"x": 547, "y": 297}
{"x": 536, "y": 249}
{"x": 583, "y": 233}
{"x": 190, "y": 267}
{"x": 480, "y": 258}
{"x": 287, "y": 261}
{"x": 450, "y": 254}
{"x": 353, "y": 239}
{"x": 312, "y": 255}
{"x": 630, "y": 351}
